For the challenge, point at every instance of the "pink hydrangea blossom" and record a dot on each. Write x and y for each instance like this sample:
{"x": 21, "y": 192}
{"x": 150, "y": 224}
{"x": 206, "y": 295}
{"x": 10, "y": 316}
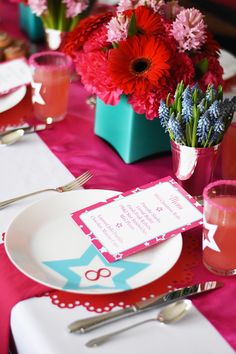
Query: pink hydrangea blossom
{"x": 75, "y": 7}
{"x": 156, "y": 5}
{"x": 117, "y": 28}
{"x": 172, "y": 9}
{"x": 189, "y": 29}
{"x": 38, "y": 7}
{"x": 128, "y": 4}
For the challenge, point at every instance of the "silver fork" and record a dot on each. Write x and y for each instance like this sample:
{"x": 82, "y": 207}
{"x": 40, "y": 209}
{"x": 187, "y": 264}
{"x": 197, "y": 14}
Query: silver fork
{"x": 77, "y": 182}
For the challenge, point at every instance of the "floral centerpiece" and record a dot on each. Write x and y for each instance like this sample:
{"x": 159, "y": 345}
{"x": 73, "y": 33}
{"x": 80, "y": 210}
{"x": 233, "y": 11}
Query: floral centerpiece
{"x": 142, "y": 50}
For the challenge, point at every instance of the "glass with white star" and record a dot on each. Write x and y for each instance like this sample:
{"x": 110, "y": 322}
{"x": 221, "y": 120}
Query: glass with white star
{"x": 219, "y": 227}
{"x": 50, "y": 85}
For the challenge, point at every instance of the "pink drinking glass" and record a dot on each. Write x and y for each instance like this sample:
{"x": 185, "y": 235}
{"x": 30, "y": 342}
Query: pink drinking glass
{"x": 228, "y": 163}
{"x": 50, "y": 85}
{"x": 219, "y": 227}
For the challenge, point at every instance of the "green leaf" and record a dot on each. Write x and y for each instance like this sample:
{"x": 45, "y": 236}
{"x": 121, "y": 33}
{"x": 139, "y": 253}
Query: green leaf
{"x": 207, "y": 143}
{"x": 203, "y": 65}
{"x": 188, "y": 134}
{"x": 132, "y": 30}
{"x": 201, "y": 68}
{"x": 220, "y": 93}
{"x": 168, "y": 100}
{"x": 181, "y": 87}
{"x": 179, "y": 105}
{"x": 195, "y": 94}
{"x": 196, "y": 114}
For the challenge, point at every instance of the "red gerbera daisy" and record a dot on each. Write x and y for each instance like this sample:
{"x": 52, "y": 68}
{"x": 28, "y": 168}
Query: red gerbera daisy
{"x": 147, "y": 21}
{"x": 138, "y": 63}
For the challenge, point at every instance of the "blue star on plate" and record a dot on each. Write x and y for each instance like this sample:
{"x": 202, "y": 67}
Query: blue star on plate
{"x": 92, "y": 271}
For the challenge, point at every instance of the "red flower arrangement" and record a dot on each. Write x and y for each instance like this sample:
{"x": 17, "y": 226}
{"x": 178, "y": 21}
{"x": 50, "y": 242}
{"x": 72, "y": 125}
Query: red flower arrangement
{"x": 144, "y": 51}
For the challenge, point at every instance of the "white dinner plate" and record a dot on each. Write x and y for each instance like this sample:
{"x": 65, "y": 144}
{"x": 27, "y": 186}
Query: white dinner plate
{"x": 228, "y": 62}
{"x": 12, "y": 99}
{"x": 45, "y": 244}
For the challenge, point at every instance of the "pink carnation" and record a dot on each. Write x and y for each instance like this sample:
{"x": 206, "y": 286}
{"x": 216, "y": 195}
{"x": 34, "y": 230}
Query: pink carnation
{"x": 38, "y": 6}
{"x": 117, "y": 28}
{"x": 182, "y": 69}
{"x": 149, "y": 102}
{"x": 97, "y": 40}
{"x": 189, "y": 29}
{"x": 96, "y": 78}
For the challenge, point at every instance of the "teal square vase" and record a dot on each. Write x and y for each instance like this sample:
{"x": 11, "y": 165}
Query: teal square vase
{"x": 131, "y": 135}
{"x": 30, "y": 23}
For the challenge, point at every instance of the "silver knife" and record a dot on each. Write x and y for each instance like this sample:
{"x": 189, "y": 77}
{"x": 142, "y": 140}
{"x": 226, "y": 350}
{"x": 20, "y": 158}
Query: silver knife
{"x": 91, "y": 323}
{"x": 28, "y": 129}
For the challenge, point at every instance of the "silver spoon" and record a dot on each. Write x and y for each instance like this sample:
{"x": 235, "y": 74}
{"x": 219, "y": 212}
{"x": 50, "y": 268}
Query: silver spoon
{"x": 11, "y": 137}
{"x": 168, "y": 314}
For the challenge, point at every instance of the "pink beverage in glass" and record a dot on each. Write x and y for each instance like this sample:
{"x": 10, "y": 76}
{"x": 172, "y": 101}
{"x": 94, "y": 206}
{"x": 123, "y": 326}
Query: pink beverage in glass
{"x": 219, "y": 227}
{"x": 228, "y": 164}
{"x": 50, "y": 85}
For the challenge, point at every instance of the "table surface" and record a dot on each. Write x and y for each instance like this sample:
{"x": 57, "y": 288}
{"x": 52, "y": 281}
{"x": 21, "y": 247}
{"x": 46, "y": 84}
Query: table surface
{"x": 52, "y": 158}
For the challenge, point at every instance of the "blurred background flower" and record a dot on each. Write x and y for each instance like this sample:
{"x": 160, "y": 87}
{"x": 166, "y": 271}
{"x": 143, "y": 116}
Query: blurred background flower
{"x": 61, "y": 15}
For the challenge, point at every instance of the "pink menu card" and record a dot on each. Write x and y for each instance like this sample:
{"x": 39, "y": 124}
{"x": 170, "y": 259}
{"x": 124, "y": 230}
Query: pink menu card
{"x": 142, "y": 217}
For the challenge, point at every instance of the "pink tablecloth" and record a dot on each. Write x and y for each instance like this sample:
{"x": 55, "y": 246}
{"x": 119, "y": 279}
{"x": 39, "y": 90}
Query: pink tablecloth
{"x": 75, "y": 144}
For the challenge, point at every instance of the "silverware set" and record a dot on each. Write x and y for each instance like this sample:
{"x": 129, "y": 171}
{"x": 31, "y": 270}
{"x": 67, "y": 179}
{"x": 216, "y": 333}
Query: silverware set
{"x": 10, "y": 137}
{"x": 170, "y": 313}
{"x": 177, "y": 307}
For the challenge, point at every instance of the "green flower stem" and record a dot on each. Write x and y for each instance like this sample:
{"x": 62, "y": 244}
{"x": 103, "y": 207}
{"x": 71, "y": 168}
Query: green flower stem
{"x": 74, "y": 22}
{"x": 52, "y": 13}
{"x": 46, "y": 21}
{"x": 61, "y": 24}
